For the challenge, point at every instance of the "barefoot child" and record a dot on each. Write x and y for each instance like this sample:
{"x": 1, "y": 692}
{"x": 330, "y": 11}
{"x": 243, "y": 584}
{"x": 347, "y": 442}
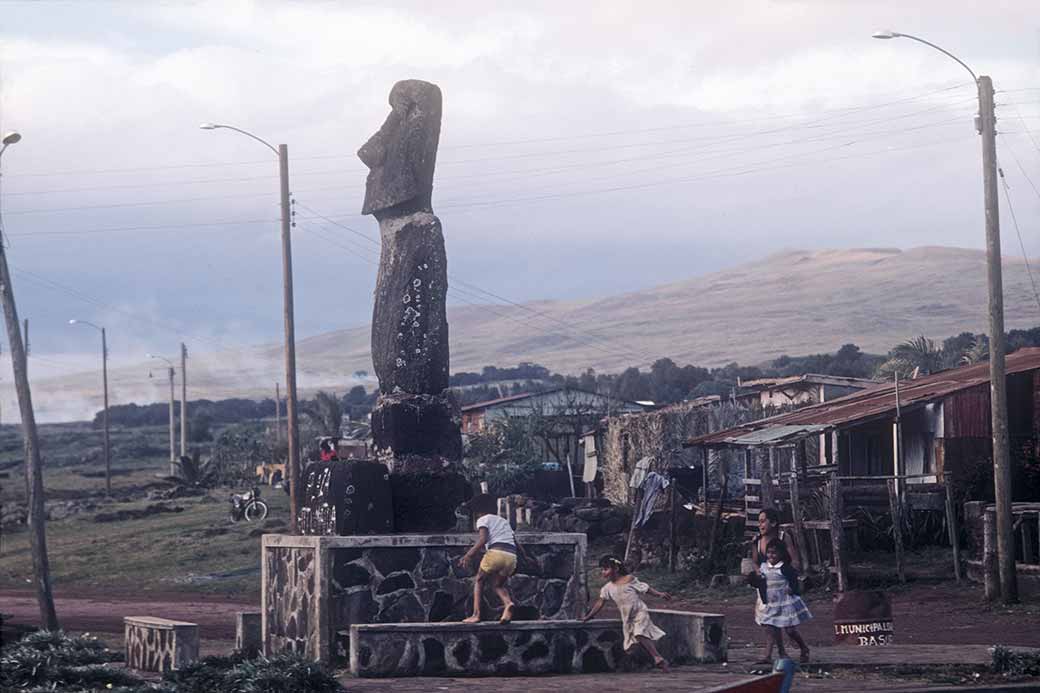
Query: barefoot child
{"x": 625, "y": 590}
{"x": 499, "y": 561}
{"x": 779, "y": 607}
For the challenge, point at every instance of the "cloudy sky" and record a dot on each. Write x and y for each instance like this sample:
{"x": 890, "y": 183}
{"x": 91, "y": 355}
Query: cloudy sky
{"x": 587, "y": 148}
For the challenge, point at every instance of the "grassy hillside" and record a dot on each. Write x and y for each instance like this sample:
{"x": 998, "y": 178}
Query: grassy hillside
{"x": 797, "y": 302}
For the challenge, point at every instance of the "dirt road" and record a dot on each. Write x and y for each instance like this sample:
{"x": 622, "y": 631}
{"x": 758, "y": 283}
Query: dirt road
{"x": 942, "y": 614}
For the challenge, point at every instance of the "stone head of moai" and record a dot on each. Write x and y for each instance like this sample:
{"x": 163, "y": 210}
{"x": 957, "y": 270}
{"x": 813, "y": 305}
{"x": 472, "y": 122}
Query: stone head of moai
{"x": 402, "y": 155}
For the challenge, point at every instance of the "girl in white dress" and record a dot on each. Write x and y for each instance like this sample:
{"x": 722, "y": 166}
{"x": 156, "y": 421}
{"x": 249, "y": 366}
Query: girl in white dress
{"x": 625, "y": 591}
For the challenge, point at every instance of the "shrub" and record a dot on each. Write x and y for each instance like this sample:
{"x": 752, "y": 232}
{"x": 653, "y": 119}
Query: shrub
{"x": 1015, "y": 662}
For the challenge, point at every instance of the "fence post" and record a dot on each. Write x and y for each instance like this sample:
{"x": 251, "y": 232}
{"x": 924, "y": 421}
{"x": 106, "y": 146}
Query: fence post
{"x": 951, "y": 524}
{"x": 838, "y": 532}
{"x": 796, "y": 517}
{"x": 897, "y": 526}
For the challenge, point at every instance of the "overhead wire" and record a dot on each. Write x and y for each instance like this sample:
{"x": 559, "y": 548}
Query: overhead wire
{"x": 1018, "y": 232}
{"x": 468, "y": 291}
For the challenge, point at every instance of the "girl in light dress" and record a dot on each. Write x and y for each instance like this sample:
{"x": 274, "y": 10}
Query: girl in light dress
{"x": 625, "y": 591}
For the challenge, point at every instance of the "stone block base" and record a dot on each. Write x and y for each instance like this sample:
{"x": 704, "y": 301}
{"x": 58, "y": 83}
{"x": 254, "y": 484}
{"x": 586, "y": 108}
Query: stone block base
{"x": 525, "y": 647}
{"x": 158, "y": 644}
{"x": 316, "y": 587}
{"x": 249, "y": 638}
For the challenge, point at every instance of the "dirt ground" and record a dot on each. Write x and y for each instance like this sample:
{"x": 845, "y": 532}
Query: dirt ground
{"x": 941, "y": 614}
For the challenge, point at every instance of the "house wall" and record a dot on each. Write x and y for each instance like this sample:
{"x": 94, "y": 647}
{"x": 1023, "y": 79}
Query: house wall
{"x": 661, "y": 435}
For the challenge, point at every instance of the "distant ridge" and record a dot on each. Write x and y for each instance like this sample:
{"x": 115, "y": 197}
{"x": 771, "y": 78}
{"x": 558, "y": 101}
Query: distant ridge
{"x": 793, "y": 302}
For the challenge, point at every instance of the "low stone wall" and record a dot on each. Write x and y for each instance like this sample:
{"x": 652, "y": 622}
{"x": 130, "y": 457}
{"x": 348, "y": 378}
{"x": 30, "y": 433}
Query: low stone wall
{"x": 158, "y": 644}
{"x": 593, "y": 517}
{"x": 315, "y": 588}
{"x": 531, "y": 647}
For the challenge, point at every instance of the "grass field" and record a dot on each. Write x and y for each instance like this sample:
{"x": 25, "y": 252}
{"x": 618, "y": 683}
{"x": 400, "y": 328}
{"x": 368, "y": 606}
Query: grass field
{"x": 195, "y": 550}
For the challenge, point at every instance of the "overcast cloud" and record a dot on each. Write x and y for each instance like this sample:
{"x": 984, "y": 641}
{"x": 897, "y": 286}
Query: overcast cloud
{"x": 740, "y": 129}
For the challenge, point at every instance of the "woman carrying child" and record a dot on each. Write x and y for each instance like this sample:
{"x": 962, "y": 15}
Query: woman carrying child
{"x": 779, "y": 607}
{"x": 625, "y": 591}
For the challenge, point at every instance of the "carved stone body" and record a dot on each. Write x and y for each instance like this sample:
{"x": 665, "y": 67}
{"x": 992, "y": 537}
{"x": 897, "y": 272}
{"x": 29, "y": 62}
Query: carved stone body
{"x": 415, "y": 424}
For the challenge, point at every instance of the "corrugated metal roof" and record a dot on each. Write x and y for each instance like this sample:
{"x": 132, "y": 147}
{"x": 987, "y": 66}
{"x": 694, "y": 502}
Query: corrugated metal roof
{"x": 775, "y": 435}
{"x": 879, "y": 400}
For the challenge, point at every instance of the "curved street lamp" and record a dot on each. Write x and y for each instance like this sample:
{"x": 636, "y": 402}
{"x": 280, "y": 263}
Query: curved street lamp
{"x": 997, "y": 367}
{"x": 104, "y": 383}
{"x": 173, "y": 425}
{"x": 292, "y": 420}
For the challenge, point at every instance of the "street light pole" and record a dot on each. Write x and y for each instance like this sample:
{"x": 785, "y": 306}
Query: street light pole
{"x": 33, "y": 463}
{"x": 104, "y": 413}
{"x": 997, "y": 366}
{"x": 184, "y": 400}
{"x": 291, "y": 414}
{"x": 173, "y": 428}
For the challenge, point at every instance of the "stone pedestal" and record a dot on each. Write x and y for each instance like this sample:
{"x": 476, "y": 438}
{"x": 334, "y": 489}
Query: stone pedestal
{"x": 314, "y": 588}
{"x": 249, "y": 633}
{"x": 158, "y": 644}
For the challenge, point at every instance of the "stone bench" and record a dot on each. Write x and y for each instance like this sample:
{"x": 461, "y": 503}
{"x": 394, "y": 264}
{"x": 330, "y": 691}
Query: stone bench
{"x": 524, "y": 647}
{"x": 159, "y": 644}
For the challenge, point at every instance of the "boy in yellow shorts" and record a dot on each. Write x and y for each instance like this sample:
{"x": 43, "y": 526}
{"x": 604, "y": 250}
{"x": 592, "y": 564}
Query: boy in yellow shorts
{"x": 499, "y": 561}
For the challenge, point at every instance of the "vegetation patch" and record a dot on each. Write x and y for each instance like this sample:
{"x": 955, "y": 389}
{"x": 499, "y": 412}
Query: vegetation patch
{"x": 54, "y": 661}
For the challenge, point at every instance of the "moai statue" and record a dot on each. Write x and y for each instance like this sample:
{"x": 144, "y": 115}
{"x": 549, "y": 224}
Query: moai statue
{"x": 415, "y": 425}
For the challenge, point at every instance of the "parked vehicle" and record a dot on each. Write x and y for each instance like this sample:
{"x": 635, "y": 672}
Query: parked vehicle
{"x": 247, "y": 506}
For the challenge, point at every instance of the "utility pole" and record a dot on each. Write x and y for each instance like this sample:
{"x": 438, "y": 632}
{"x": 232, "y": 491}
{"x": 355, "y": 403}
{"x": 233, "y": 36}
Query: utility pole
{"x": 997, "y": 369}
{"x": 33, "y": 463}
{"x": 173, "y": 427}
{"x": 292, "y": 421}
{"x": 104, "y": 383}
{"x": 173, "y": 418}
{"x": 104, "y": 387}
{"x": 987, "y": 127}
{"x": 184, "y": 400}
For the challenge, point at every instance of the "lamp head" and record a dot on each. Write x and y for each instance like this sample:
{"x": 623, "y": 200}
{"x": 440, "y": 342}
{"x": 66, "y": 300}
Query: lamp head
{"x": 209, "y": 126}
{"x": 73, "y": 321}
{"x": 12, "y": 137}
{"x": 887, "y": 34}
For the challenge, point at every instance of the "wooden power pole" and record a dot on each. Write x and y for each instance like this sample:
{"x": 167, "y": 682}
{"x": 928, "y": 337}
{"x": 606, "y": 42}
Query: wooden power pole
{"x": 997, "y": 369}
{"x": 173, "y": 425}
{"x": 104, "y": 385}
{"x": 184, "y": 400}
{"x": 33, "y": 463}
{"x": 292, "y": 420}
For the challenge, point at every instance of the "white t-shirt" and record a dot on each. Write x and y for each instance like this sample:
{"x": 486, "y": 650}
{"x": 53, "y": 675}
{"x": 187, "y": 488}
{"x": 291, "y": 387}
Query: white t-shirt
{"x": 499, "y": 530}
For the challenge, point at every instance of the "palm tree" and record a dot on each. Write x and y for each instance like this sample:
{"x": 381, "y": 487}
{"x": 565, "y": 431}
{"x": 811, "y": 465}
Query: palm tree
{"x": 919, "y": 353}
{"x": 977, "y": 352}
{"x": 326, "y": 411}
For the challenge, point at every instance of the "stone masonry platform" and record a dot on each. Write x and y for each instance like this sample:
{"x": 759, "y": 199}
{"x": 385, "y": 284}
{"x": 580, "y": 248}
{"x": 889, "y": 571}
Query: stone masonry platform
{"x": 524, "y": 647}
{"x": 314, "y": 588}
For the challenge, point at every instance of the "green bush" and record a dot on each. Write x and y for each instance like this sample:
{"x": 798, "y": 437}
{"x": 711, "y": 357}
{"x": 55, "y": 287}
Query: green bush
{"x": 1014, "y": 662}
{"x": 46, "y": 661}
{"x": 51, "y": 658}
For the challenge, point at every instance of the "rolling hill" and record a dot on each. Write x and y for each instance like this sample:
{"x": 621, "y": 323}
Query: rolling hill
{"x": 794, "y": 302}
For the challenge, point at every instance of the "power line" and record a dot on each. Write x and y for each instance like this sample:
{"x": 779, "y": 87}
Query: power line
{"x": 211, "y": 164}
{"x": 478, "y": 293}
{"x": 1018, "y": 231}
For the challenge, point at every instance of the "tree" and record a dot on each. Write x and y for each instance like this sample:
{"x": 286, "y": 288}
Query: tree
{"x": 326, "y": 413}
{"x": 918, "y": 354}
